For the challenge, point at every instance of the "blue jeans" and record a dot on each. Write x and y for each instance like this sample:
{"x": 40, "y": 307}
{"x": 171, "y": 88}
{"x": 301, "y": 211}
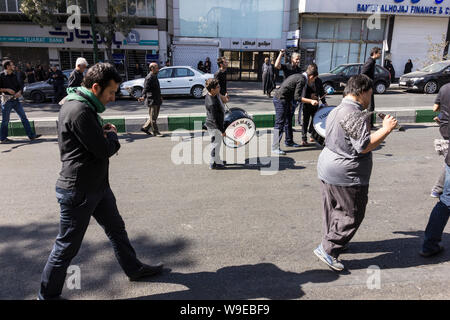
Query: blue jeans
{"x": 438, "y": 218}
{"x": 6, "y": 112}
{"x": 288, "y": 124}
{"x": 282, "y": 112}
{"x": 77, "y": 207}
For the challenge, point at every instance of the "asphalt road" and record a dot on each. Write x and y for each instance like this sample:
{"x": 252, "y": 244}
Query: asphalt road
{"x": 245, "y": 95}
{"x": 247, "y": 232}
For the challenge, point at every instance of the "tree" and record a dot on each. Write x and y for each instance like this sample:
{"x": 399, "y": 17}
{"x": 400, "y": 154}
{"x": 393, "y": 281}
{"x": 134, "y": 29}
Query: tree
{"x": 42, "y": 12}
{"x": 435, "y": 52}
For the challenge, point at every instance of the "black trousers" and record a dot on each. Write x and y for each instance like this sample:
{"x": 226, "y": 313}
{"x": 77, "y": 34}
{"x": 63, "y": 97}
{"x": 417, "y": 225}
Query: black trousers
{"x": 77, "y": 207}
{"x": 60, "y": 93}
{"x": 372, "y": 108}
{"x": 308, "y": 115}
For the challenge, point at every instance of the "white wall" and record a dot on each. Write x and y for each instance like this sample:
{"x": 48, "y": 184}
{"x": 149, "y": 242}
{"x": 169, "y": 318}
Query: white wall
{"x": 409, "y": 39}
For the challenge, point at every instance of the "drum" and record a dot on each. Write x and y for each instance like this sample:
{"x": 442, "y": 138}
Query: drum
{"x": 319, "y": 122}
{"x": 239, "y": 128}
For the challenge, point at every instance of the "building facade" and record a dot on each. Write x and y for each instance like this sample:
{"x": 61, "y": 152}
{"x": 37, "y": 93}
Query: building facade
{"x": 244, "y": 31}
{"x": 26, "y": 42}
{"x": 336, "y": 32}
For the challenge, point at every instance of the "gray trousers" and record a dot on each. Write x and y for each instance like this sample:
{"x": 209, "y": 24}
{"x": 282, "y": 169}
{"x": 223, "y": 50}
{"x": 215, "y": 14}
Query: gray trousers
{"x": 343, "y": 213}
{"x": 439, "y": 185}
{"x": 216, "y": 143}
{"x": 153, "y": 112}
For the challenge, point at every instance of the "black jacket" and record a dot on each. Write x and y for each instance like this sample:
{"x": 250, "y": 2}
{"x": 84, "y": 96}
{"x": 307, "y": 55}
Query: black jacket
{"x": 152, "y": 90}
{"x": 10, "y": 82}
{"x": 221, "y": 76}
{"x": 318, "y": 90}
{"x": 292, "y": 88}
{"x": 214, "y": 113}
{"x": 369, "y": 68}
{"x": 83, "y": 148}
{"x": 75, "y": 79}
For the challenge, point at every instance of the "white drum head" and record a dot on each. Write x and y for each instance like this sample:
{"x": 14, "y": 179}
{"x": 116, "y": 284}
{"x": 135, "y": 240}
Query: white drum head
{"x": 320, "y": 119}
{"x": 239, "y": 133}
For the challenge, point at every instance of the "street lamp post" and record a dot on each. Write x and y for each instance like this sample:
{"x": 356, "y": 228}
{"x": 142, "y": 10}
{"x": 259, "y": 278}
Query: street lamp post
{"x": 94, "y": 31}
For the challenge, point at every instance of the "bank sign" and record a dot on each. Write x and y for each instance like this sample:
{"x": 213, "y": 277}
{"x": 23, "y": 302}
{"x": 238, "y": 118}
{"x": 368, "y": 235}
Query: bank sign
{"x": 437, "y": 8}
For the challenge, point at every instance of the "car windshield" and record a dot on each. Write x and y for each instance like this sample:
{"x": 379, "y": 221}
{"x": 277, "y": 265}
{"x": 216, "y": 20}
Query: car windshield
{"x": 436, "y": 67}
{"x": 338, "y": 69}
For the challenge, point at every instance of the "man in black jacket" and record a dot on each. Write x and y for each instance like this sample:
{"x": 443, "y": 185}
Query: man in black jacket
{"x": 369, "y": 70}
{"x": 83, "y": 188}
{"x": 153, "y": 100}
{"x": 76, "y": 77}
{"x": 58, "y": 84}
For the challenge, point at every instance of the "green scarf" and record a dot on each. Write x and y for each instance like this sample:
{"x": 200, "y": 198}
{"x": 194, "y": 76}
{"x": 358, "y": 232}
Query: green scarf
{"x": 90, "y": 99}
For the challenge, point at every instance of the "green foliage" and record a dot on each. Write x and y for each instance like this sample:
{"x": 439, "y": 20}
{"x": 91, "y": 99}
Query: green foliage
{"x": 42, "y": 12}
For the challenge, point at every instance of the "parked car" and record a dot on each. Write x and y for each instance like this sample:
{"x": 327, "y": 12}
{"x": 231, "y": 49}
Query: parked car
{"x": 339, "y": 76}
{"x": 41, "y": 91}
{"x": 427, "y": 80}
{"x": 179, "y": 80}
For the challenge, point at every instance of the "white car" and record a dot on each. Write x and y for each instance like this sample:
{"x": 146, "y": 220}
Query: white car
{"x": 179, "y": 80}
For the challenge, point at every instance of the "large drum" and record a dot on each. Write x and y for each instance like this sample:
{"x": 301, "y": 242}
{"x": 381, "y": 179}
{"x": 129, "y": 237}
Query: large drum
{"x": 319, "y": 122}
{"x": 239, "y": 128}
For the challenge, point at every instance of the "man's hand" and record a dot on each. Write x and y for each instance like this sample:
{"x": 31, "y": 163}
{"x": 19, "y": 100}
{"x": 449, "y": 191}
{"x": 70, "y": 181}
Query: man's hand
{"x": 314, "y": 102}
{"x": 141, "y": 99}
{"x": 224, "y": 134}
{"x": 10, "y": 91}
{"x": 389, "y": 123}
{"x": 18, "y": 95}
{"x": 109, "y": 127}
{"x": 283, "y": 52}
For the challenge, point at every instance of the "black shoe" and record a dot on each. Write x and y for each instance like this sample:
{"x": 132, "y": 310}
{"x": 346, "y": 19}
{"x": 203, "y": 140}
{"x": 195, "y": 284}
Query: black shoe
{"x": 36, "y": 137}
{"x": 431, "y": 253}
{"x": 40, "y": 297}
{"x": 5, "y": 141}
{"x": 147, "y": 271}
{"x": 146, "y": 131}
{"x": 216, "y": 166}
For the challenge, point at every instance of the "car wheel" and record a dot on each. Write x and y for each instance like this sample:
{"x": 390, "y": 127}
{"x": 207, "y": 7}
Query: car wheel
{"x": 136, "y": 92}
{"x": 197, "y": 92}
{"x": 430, "y": 87}
{"x": 327, "y": 85}
{"x": 38, "y": 97}
{"x": 380, "y": 87}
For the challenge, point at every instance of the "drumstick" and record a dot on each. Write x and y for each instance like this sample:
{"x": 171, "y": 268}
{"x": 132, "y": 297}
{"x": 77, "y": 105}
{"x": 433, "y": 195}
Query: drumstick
{"x": 399, "y": 127}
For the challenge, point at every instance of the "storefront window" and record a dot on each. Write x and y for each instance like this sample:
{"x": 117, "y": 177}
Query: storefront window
{"x": 261, "y": 19}
{"x": 340, "y": 54}
{"x": 343, "y": 29}
{"x": 309, "y": 28}
{"x": 326, "y": 29}
{"x": 323, "y": 56}
{"x": 2, "y": 5}
{"x": 12, "y": 5}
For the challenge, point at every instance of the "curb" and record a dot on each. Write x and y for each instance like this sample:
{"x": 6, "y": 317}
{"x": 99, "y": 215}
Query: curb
{"x": 191, "y": 122}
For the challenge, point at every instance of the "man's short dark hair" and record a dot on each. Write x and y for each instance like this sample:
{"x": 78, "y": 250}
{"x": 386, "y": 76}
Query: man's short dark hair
{"x": 211, "y": 84}
{"x": 357, "y": 85}
{"x": 220, "y": 61}
{"x": 101, "y": 73}
{"x": 6, "y": 63}
{"x": 375, "y": 50}
{"x": 312, "y": 70}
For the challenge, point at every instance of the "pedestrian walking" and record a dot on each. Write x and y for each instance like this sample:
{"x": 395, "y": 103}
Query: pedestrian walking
{"x": 153, "y": 100}
{"x": 207, "y": 65}
{"x": 440, "y": 214}
{"x": 268, "y": 77}
{"x": 83, "y": 189}
{"x": 11, "y": 90}
{"x": 29, "y": 71}
{"x": 408, "y": 66}
{"x": 221, "y": 76}
{"x": 200, "y": 66}
{"x": 138, "y": 72}
{"x": 76, "y": 76}
{"x": 344, "y": 168}
{"x": 390, "y": 67}
{"x": 369, "y": 70}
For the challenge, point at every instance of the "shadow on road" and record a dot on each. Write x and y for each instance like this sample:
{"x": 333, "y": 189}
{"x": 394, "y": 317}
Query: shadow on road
{"x": 264, "y": 280}
{"x": 24, "y": 251}
{"x": 395, "y": 253}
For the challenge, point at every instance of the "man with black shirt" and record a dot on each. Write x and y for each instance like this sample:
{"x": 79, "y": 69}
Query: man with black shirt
{"x": 289, "y": 69}
{"x": 11, "y": 91}
{"x": 29, "y": 71}
{"x": 314, "y": 91}
{"x": 369, "y": 70}
{"x": 292, "y": 89}
{"x": 153, "y": 100}
{"x": 83, "y": 188}
{"x": 76, "y": 77}
{"x": 221, "y": 75}
{"x": 58, "y": 84}
{"x": 441, "y": 211}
